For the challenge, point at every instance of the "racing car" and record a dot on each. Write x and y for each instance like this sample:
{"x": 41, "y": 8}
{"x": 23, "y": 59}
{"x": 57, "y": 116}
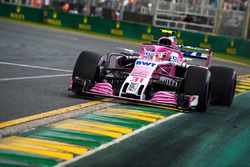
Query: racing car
{"x": 160, "y": 73}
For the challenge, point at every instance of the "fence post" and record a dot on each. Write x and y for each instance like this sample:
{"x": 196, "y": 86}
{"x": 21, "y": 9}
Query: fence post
{"x": 247, "y": 21}
{"x": 155, "y": 11}
{"x": 219, "y": 17}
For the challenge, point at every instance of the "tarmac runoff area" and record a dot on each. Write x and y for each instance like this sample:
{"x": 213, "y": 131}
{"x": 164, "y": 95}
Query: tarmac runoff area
{"x": 67, "y": 136}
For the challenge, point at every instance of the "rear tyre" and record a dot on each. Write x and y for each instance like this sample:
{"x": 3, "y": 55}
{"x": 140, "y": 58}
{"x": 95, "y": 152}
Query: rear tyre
{"x": 88, "y": 66}
{"x": 197, "y": 82}
{"x": 223, "y": 85}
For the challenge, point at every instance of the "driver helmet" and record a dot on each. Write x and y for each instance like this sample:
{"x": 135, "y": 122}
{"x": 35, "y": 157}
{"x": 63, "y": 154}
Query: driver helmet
{"x": 168, "y": 41}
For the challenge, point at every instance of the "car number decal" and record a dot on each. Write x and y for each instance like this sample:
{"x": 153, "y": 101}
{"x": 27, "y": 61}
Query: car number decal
{"x": 137, "y": 79}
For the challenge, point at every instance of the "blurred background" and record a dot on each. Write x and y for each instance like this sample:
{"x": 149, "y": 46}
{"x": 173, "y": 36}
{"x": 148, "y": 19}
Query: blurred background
{"x": 228, "y": 17}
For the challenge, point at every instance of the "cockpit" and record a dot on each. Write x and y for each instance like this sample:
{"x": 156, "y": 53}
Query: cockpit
{"x": 160, "y": 53}
{"x": 156, "y": 56}
{"x": 168, "y": 41}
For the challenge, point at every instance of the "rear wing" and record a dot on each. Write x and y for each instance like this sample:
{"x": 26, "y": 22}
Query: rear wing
{"x": 168, "y": 32}
{"x": 196, "y": 52}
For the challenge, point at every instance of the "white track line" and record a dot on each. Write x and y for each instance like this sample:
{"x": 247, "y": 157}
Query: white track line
{"x": 38, "y": 67}
{"x": 241, "y": 93}
{"x": 104, "y": 146}
{"x": 34, "y": 77}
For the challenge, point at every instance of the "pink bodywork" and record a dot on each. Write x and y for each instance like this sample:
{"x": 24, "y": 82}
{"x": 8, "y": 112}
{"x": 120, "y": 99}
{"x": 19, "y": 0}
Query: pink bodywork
{"x": 102, "y": 88}
{"x": 164, "y": 97}
{"x": 153, "y": 60}
{"x": 156, "y": 49}
{"x": 159, "y": 97}
{"x": 144, "y": 71}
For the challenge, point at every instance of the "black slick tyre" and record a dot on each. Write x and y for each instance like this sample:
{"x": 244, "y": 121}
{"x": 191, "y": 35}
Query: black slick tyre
{"x": 197, "y": 82}
{"x": 87, "y": 67}
{"x": 223, "y": 83}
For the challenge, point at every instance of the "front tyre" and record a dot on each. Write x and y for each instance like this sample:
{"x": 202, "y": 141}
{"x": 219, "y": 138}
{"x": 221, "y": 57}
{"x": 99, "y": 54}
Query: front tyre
{"x": 197, "y": 82}
{"x": 88, "y": 66}
{"x": 223, "y": 85}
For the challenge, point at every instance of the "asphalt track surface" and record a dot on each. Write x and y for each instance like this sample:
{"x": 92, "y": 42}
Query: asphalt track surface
{"x": 190, "y": 140}
{"x": 38, "y": 46}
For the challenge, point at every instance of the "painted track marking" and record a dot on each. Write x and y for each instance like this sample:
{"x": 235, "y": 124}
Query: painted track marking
{"x": 41, "y": 142}
{"x": 38, "y": 67}
{"x": 72, "y": 126}
{"x": 47, "y": 143}
{"x": 48, "y": 114}
{"x": 36, "y": 150}
{"x": 34, "y": 77}
{"x": 243, "y": 83}
{"x": 77, "y": 131}
{"x": 90, "y": 124}
{"x": 104, "y": 146}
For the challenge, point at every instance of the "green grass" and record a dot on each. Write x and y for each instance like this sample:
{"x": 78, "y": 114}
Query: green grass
{"x": 225, "y": 57}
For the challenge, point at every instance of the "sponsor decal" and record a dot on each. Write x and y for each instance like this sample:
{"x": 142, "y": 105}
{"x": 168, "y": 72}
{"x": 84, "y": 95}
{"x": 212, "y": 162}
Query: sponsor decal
{"x": 17, "y": 15}
{"x": 143, "y": 69}
{"x": 117, "y": 30}
{"x": 85, "y": 25}
{"x": 54, "y": 20}
{"x": 196, "y": 54}
{"x": 148, "y": 36}
{"x": 205, "y": 43}
{"x": 179, "y": 40}
{"x": 138, "y": 73}
{"x": 193, "y": 101}
{"x": 173, "y": 57}
{"x": 147, "y": 64}
{"x": 231, "y": 50}
{"x": 133, "y": 86}
{"x": 148, "y": 55}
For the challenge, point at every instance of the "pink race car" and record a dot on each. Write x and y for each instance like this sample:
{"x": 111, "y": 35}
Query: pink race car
{"x": 161, "y": 73}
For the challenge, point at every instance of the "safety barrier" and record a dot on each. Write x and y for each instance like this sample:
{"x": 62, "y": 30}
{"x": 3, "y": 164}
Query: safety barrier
{"x": 21, "y": 12}
{"x": 220, "y": 44}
